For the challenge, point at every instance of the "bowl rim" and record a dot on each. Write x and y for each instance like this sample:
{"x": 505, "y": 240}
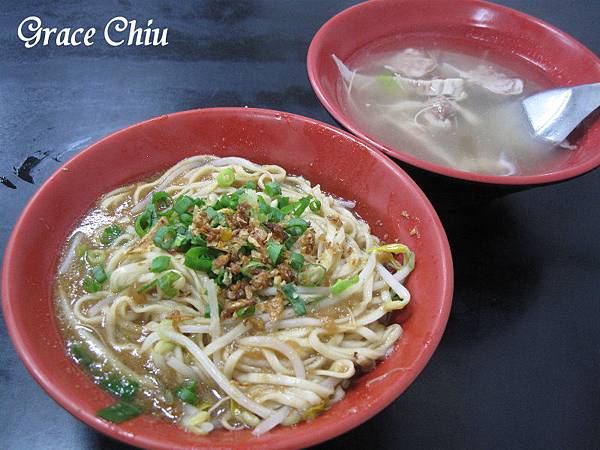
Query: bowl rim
{"x": 138, "y": 439}
{"x": 344, "y": 120}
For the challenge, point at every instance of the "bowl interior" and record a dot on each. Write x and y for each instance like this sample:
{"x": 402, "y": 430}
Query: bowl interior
{"x": 344, "y": 166}
{"x": 531, "y": 47}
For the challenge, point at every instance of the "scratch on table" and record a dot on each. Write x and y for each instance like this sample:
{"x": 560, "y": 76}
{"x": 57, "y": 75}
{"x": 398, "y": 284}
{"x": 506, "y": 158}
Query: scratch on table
{"x": 73, "y": 146}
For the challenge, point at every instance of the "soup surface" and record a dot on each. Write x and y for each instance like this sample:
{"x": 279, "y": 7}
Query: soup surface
{"x": 226, "y": 294}
{"x": 446, "y": 107}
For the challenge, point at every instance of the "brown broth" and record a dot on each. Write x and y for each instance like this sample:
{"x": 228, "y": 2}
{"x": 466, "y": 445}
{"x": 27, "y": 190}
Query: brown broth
{"x": 158, "y": 399}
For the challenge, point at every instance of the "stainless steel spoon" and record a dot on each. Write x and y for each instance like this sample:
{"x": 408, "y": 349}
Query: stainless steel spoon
{"x": 553, "y": 114}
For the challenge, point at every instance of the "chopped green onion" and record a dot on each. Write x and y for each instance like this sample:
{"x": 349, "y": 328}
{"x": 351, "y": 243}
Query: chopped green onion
{"x": 245, "y": 250}
{"x": 186, "y": 392}
{"x": 173, "y": 218}
{"x": 245, "y": 312}
{"x": 160, "y": 264}
{"x": 227, "y": 202}
{"x": 145, "y": 221}
{"x": 315, "y": 205}
{"x": 187, "y": 396}
{"x": 296, "y": 226}
{"x": 263, "y": 208}
{"x": 226, "y": 177}
{"x": 99, "y": 274}
{"x": 251, "y": 268}
{"x": 147, "y": 286}
{"x": 272, "y": 189}
{"x": 288, "y": 208}
{"x": 250, "y": 185}
{"x": 341, "y": 285}
{"x": 207, "y": 311}
{"x": 95, "y": 257}
{"x": 81, "y": 355}
{"x": 181, "y": 240}
{"x": 198, "y": 241}
{"x": 289, "y": 290}
{"x": 186, "y": 218}
{"x": 189, "y": 384}
{"x": 162, "y": 203}
{"x": 296, "y": 261}
{"x": 262, "y": 204}
{"x": 274, "y": 251}
{"x": 216, "y": 218}
{"x": 311, "y": 275}
{"x": 90, "y": 285}
{"x": 159, "y": 196}
{"x": 165, "y": 283}
{"x": 165, "y": 237}
{"x": 119, "y": 412}
{"x": 273, "y": 214}
{"x": 301, "y": 205}
{"x": 387, "y": 82}
{"x": 80, "y": 250}
{"x": 282, "y": 201}
{"x": 224, "y": 278}
{"x": 121, "y": 387}
{"x": 198, "y": 258}
{"x": 183, "y": 204}
{"x": 211, "y": 212}
{"x": 289, "y": 243}
{"x": 110, "y": 233}
{"x": 249, "y": 198}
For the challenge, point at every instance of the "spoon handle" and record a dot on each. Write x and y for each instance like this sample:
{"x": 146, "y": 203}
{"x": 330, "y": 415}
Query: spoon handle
{"x": 586, "y": 98}
{"x": 555, "y": 113}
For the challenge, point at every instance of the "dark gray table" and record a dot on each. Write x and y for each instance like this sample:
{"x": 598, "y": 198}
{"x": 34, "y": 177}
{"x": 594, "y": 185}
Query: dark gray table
{"x": 519, "y": 364}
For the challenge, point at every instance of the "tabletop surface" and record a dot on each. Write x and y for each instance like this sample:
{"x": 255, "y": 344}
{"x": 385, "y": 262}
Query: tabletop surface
{"x": 519, "y": 364}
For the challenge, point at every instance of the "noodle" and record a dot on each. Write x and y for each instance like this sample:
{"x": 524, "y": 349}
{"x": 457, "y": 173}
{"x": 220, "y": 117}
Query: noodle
{"x": 236, "y": 296}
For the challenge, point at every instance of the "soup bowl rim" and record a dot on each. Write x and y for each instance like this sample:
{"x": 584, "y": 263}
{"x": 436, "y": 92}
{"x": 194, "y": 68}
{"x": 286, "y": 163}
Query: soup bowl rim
{"x": 331, "y": 104}
{"x": 32, "y": 359}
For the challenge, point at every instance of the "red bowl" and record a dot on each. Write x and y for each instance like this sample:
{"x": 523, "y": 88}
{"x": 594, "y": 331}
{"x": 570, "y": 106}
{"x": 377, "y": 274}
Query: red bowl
{"x": 341, "y": 163}
{"x": 545, "y": 53}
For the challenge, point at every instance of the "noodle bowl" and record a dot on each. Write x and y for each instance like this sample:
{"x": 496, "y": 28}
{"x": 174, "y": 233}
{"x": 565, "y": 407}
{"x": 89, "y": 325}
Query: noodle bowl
{"x": 227, "y": 294}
